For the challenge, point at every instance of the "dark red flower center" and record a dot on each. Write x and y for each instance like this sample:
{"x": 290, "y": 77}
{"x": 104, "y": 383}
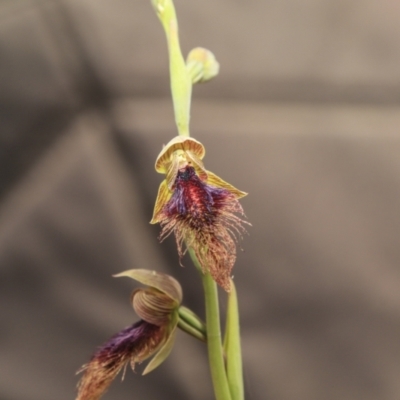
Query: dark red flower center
{"x": 194, "y": 200}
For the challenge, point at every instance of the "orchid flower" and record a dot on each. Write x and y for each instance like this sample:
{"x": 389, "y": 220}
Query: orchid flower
{"x": 153, "y": 335}
{"x": 200, "y": 208}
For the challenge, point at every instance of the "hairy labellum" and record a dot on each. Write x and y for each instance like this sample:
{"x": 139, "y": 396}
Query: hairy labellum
{"x": 205, "y": 218}
{"x": 133, "y": 344}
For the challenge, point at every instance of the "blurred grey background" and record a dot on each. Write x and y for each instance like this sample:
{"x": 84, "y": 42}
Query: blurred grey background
{"x": 304, "y": 116}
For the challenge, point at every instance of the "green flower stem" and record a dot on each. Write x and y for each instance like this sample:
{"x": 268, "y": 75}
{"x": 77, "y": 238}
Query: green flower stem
{"x": 232, "y": 347}
{"x": 181, "y": 84}
{"x": 215, "y": 351}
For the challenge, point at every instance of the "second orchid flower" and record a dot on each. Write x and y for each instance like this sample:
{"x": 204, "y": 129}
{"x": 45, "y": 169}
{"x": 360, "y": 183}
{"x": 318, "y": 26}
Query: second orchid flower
{"x": 153, "y": 335}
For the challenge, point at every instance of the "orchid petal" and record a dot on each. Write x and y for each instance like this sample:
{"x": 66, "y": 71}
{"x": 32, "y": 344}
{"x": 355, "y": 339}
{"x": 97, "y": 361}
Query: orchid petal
{"x": 178, "y": 161}
{"x": 197, "y": 164}
{"x": 216, "y": 181}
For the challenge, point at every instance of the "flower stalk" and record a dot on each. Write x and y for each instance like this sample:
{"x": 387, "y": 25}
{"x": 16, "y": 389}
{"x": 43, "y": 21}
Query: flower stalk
{"x": 215, "y": 349}
{"x": 232, "y": 347}
{"x": 181, "y": 85}
{"x": 201, "y": 210}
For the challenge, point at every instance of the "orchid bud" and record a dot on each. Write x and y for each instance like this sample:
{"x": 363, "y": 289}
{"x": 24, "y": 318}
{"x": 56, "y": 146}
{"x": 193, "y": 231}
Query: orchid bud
{"x": 202, "y": 65}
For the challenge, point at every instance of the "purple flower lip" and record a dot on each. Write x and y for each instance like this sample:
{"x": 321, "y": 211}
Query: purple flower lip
{"x": 133, "y": 344}
{"x": 204, "y": 217}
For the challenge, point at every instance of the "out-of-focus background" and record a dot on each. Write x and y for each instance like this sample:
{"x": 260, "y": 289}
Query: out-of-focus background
{"x": 304, "y": 116}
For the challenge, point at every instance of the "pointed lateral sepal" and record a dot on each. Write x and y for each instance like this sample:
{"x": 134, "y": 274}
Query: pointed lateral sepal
{"x": 232, "y": 347}
{"x": 163, "y": 195}
{"x": 164, "y": 283}
{"x": 216, "y": 181}
{"x": 166, "y": 348}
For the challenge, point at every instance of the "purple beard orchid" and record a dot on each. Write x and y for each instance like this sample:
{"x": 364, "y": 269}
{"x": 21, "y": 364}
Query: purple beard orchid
{"x": 154, "y": 334}
{"x": 200, "y": 208}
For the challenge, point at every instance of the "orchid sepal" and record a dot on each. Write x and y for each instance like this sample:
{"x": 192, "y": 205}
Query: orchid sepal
{"x": 163, "y": 196}
{"x": 166, "y": 348}
{"x": 216, "y": 181}
{"x": 163, "y": 282}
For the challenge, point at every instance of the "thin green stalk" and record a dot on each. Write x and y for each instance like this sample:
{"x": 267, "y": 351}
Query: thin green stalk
{"x": 215, "y": 351}
{"x": 214, "y": 344}
{"x": 181, "y": 83}
{"x": 232, "y": 347}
